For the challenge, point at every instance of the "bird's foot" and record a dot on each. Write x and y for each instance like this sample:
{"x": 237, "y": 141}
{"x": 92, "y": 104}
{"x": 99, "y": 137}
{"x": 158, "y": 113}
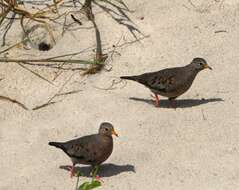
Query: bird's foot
{"x": 173, "y": 104}
{"x": 68, "y": 168}
{"x": 157, "y": 104}
{"x": 156, "y": 100}
{"x": 97, "y": 178}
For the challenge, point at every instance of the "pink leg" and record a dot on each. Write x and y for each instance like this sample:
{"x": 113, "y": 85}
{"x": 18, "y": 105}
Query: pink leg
{"x": 72, "y": 172}
{"x": 97, "y": 177}
{"x": 157, "y": 101}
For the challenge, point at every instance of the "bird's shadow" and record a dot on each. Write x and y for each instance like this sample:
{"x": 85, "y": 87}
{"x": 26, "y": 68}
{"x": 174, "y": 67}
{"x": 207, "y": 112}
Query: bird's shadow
{"x": 105, "y": 170}
{"x": 181, "y": 103}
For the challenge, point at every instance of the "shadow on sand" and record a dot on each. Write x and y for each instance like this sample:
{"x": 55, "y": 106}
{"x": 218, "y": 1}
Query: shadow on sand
{"x": 181, "y": 103}
{"x": 105, "y": 170}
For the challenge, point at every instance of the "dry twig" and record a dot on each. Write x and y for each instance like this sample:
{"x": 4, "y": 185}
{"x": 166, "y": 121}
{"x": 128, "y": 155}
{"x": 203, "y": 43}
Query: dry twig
{"x": 5, "y": 98}
{"x": 50, "y": 101}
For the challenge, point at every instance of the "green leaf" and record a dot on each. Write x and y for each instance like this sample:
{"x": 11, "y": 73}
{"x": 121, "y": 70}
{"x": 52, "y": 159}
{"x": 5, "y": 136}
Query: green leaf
{"x": 94, "y": 184}
{"x": 84, "y": 186}
{"x": 88, "y": 186}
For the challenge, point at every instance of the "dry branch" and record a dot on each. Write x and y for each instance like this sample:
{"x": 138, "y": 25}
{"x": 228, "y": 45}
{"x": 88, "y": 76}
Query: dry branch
{"x": 76, "y": 61}
{"x": 50, "y": 101}
{"x": 5, "y": 98}
{"x": 36, "y": 74}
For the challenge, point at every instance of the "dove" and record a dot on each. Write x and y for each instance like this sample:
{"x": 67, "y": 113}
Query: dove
{"x": 89, "y": 150}
{"x": 171, "y": 82}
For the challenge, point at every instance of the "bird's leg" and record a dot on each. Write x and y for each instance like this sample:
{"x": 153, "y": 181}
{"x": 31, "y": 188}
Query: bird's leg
{"x": 173, "y": 103}
{"x": 72, "y": 171}
{"x": 157, "y": 100}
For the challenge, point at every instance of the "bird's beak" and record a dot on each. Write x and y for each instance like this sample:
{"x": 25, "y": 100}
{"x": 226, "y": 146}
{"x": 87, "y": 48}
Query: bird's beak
{"x": 114, "y": 133}
{"x": 206, "y": 66}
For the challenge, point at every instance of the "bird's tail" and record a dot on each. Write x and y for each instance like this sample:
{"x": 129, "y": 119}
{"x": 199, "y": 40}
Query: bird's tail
{"x": 134, "y": 78}
{"x": 57, "y": 145}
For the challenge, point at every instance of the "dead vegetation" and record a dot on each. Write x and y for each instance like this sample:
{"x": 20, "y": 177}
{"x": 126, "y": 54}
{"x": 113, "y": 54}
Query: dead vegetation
{"x": 49, "y": 12}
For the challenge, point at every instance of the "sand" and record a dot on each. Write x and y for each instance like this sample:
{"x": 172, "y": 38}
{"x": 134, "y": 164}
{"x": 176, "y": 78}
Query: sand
{"x": 192, "y": 147}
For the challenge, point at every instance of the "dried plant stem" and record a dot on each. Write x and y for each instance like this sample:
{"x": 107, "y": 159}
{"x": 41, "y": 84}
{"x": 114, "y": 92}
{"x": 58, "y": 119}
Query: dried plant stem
{"x": 54, "y": 66}
{"x": 76, "y": 61}
{"x": 7, "y": 28}
{"x": 50, "y": 101}
{"x": 99, "y": 57}
{"x": 5, "y": 98}
{"x": 43, "y": 105}
{"x": 15, "y": 45}
{"x": 98, "y": 42}
{"x": 36, "y": 74}
{"x": 87, "y": 9}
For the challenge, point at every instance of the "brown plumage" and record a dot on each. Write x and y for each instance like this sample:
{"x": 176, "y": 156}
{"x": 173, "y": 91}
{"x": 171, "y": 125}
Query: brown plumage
{"x": 171, "y": 82}
{"x": 89, "y": 150}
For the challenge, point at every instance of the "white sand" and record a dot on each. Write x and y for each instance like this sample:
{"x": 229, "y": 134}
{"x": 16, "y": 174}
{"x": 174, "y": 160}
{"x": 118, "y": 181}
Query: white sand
{"x": 195, "y": 147}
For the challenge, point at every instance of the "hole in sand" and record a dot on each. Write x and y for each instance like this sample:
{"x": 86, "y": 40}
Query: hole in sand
{"x": 39, "y": 37}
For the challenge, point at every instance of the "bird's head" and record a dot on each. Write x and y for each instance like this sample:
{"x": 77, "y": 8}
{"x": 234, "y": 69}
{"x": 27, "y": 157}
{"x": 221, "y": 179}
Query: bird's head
{"x": 107, "y": 129}
{"x": 200, "y": 64}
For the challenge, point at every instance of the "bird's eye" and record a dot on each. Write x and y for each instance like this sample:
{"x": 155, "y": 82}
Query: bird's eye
{"x": 200, "y": 63}
{"x": 106, "y": 129}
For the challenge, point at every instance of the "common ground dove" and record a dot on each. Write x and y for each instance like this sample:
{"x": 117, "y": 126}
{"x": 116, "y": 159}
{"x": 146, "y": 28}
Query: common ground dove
{"x": 171, "y": 82}
{"x": 89, "y": 150}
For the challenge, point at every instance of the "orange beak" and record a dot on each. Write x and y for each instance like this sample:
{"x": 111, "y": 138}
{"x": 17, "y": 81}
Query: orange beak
{"x": 114, "y": 133}
{"x": 207, "y": 67}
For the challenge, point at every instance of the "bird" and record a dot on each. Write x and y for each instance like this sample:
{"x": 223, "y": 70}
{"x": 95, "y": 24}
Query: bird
{"x": 89, "y": 150}
{"x": 171, "y": 82}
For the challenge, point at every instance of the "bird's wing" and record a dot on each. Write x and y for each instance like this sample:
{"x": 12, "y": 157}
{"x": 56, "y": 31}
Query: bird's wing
{"x": 164, "y": 80}
{"x": 83, "y": 148}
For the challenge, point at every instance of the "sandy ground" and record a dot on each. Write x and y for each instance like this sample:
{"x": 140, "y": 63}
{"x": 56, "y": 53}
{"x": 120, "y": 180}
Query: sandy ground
{"x": 192, "y": 147}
